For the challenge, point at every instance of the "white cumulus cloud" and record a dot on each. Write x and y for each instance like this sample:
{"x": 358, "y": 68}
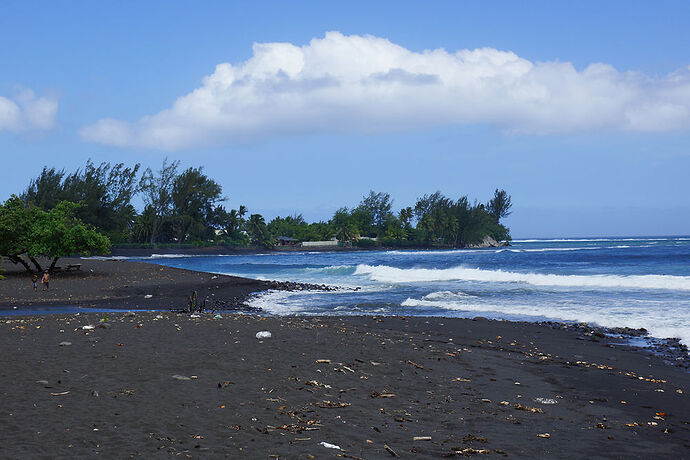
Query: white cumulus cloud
{"x": 368, "y": 84}
{"x": 27, "y": 112}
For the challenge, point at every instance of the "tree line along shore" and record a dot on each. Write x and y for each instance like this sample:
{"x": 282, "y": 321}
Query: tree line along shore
{"x": 91, "y": 210}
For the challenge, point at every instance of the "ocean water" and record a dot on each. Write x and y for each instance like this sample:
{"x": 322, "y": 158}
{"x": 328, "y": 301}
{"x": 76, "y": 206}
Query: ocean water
{"x": 634, "y": 282}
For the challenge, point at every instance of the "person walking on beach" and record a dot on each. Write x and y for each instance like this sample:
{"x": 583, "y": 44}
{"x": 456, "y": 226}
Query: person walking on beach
{"x": 34, "y": 280}
{"x": 46, "y": 280}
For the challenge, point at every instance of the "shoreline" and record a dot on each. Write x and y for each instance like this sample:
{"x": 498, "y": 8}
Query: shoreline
{"x": 171, "y": 384}
{"x": 113, "y": 285}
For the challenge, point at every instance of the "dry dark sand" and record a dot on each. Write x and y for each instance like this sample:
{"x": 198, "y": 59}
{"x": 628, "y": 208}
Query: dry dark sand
{"x": 360, "y": 383}
{"x": 121, "y": 285}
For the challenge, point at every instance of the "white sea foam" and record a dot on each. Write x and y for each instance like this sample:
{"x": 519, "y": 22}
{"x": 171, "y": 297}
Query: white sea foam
{"x": 563, "y": 249}
{"x": 383, "y": 273}
{"x": 595, "y": 240}
{"x": 658, "y": 322}
{"x": 278, "y": 302}
{"x": 446, "y": 296}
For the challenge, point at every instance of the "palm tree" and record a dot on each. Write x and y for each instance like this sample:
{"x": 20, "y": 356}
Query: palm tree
{"x": 233, "y": 222}
{"x": 347, "y": 233}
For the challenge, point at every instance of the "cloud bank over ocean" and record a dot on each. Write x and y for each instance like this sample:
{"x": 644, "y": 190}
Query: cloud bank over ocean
{"x": 367, "y": 84}
{"x": 27, "y": 112}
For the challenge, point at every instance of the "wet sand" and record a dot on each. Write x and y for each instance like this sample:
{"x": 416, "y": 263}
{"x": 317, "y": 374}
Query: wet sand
{"x": 170, "y": 385}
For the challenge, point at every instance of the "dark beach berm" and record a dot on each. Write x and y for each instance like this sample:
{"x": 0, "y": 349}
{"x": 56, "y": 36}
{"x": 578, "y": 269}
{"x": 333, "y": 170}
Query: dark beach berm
{"x": 162, "y": 384}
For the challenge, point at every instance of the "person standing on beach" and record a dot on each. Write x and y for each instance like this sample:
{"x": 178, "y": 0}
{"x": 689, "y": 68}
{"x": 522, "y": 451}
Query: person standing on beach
{"x": 46, "y": 280}
{"x": 34, "y": 279}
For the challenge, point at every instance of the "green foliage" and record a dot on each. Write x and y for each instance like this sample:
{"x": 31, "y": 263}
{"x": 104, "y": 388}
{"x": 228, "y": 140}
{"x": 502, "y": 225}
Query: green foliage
{"x": 29, "y": 231}
{"x": 366, "y": 244}
{"x": 373, "y": 213}
{"x": 186, "y": 208}
{"x": 195, "y": 199}
{"x": 258, "y": 231}
{"x": 499, "y": 206}
{"x": 104, "y": 192}
{"x": 295, "y": 227}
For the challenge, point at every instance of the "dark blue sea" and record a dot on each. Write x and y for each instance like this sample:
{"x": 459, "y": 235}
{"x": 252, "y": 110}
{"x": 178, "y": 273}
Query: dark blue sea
{"x": 634, "y": 282}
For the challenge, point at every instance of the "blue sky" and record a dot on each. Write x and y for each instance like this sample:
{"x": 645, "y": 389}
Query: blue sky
{"x": 509, "y": 94}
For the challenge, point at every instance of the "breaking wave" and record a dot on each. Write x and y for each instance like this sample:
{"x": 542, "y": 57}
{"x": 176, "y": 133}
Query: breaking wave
{"x": 386, "y": 274}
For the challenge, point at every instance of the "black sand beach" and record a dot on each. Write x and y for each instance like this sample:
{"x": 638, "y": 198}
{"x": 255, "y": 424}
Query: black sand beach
{"x": 161, "y": 384}
{"x": 118, "y": 284}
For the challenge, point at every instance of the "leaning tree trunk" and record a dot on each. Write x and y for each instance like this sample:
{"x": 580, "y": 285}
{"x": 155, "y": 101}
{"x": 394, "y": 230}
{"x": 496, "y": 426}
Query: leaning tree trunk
{"x": 52, "y": 265}
{"x": 36, "y": 264}
{"x": 20, "y": 260}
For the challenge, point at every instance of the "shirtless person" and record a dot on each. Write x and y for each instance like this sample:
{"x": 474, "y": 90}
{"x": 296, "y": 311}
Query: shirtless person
{"x": 46, "y": 280}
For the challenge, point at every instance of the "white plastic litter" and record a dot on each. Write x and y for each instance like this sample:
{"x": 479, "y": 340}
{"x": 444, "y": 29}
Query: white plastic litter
{"x": 545, "y": 401}
{"x": 148, "y": 296}
{"x": 87, "y": 328}
{"x": 329, "y": 445}
{"x": 266, "y": 335}
{"x": 195, "y": 316}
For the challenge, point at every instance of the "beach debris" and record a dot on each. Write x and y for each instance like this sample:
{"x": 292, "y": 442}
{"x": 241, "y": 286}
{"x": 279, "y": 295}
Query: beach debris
{"x": 421, "y": 438}
{"x": 62, "y": 393}
{"x": 545, "y": 401}
{"x": 94, "y": 393}
{"x": 194, "y": 316}
{"x": 504, "y": 403}
{"x": 218, "y": 316}
{"x": 470, "y": 438}
{"x": 415, "y": 364}
{"x": 323, "y": 361}
{"x": 263, "y": 335}
{"x": 461, "y": 379}
{"x": 390, "y": 451}
{"x": 87, "y": 328}
{"x": 43, "y": 382}
{"x": 148, "y": 296}
{"x": 602, "y": 426}
{"x": 328, "y": 445}
{"x": 224, "y": 384}
{"x": 535, "y": 410}
{"x": 679, "y": 391}
{"x": 129, "y": 314}
{"x": 329, "y": 404}
{"x": 65, "y": 344}
{"x": 376, "y": 394}
{"x": 180, "y": 377}
{"x": 544, "y": 435}
{"x": 467, "y": 451}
